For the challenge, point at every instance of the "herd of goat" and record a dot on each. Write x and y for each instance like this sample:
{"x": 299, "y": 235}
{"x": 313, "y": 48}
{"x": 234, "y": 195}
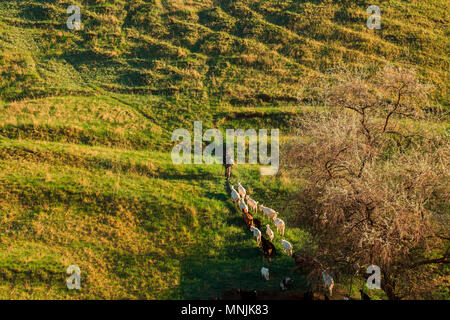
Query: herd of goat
{"x": 249, "y": 208}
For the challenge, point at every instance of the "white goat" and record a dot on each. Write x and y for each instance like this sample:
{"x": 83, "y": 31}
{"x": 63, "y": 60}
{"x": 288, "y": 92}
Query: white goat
{"x": 256, "y": 234}
{"x": 328, "y": 282}
{"x": 265, "y": 273}
{"x": 270, "y": 213}
{"x": 252, "y": 203}
{"x": 280, "y": 225}
{"x": 287, "y": 247}
{"x": 234, "y": 195}
{"x": 242, "y": 206}
{"x": 269, "y": 232}
{"x": 241, "y": 190}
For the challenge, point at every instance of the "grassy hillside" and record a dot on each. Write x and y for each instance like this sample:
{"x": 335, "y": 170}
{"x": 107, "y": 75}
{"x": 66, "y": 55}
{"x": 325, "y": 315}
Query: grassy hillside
{"x": 86, "y": 118}
{"x": 128, "y": 219}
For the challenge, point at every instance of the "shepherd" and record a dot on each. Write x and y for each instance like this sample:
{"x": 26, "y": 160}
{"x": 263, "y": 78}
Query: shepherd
{"x": 228, "y": 161}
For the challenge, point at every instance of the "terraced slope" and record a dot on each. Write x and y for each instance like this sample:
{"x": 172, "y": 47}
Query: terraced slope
{"x": 137, "y": 226}
{"x": 86, "y": 118}
{"x": 236, "y": 51}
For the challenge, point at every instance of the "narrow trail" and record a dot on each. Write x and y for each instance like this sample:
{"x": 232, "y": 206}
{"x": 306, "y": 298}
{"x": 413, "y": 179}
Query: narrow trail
{"x": 267, "y": 294}
{"x": 297, "y": 293}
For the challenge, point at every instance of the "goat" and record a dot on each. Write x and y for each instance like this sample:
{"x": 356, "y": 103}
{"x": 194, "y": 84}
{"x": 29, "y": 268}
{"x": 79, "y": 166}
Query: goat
{"x": 270, "y": 213}
{"x": 280, "y": 225}
{"x": 252, "y": 203}
{"x": 256, "y": 234}
{"x": 242, "y": 206}
{"x": 265, "y": 273}
{"x": 241, "y": 190}
{"x": 287, "y": 247}
{"x": 269, "y": 232}
{"x": 234, "y": 195}
{"x": 268, "y": 247}
{"x": 248, "y": 219}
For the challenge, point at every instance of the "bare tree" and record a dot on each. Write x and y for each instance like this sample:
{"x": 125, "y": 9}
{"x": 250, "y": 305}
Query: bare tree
{"x": 376, "y": 181}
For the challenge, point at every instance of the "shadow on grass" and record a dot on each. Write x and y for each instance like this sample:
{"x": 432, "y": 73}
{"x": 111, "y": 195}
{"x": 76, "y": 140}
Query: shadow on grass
{"x": 186, "y": 176}
{"x": 237, "y": 264}
{"x": 236, "y": 267}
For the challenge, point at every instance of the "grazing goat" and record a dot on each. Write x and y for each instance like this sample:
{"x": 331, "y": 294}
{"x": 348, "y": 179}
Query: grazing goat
{"x": 242, "y": 206}
{"x": 241, "y": 190}
{"x": 234, "y": 195}
{"x": 268, "y": 247}
{"x": 287, "y": 247}
{"x": 328, "y": 282}
{"x": 270, "y": 213}
{"x": 286, "y": 283}
{"x": 248, "y": 219}
{"x": 252, "y": 203}
{"x": 269, "y": 232}
{"x": 256, "y": 234}
{"x": 280, "y": 225}
{"x": 265, "y": 273}
{"x": 257, "y": 223}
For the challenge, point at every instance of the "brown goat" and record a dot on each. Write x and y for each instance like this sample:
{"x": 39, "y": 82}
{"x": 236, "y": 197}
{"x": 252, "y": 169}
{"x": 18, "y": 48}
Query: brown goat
{"x": 267, "y": 247}
{"x": 248, "y": 219}
{"x": 257, "y": 223}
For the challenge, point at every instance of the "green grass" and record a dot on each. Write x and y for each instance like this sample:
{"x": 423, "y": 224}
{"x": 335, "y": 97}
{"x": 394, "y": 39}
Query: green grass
{"x": 129, "y": 220}
{"x": 234, "y": 52}
{"x": 86, "y": 118}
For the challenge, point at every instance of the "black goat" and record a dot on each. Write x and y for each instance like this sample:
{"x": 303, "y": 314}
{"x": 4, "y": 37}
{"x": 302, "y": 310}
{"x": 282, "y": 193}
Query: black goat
{"x": 267, "y": 247}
